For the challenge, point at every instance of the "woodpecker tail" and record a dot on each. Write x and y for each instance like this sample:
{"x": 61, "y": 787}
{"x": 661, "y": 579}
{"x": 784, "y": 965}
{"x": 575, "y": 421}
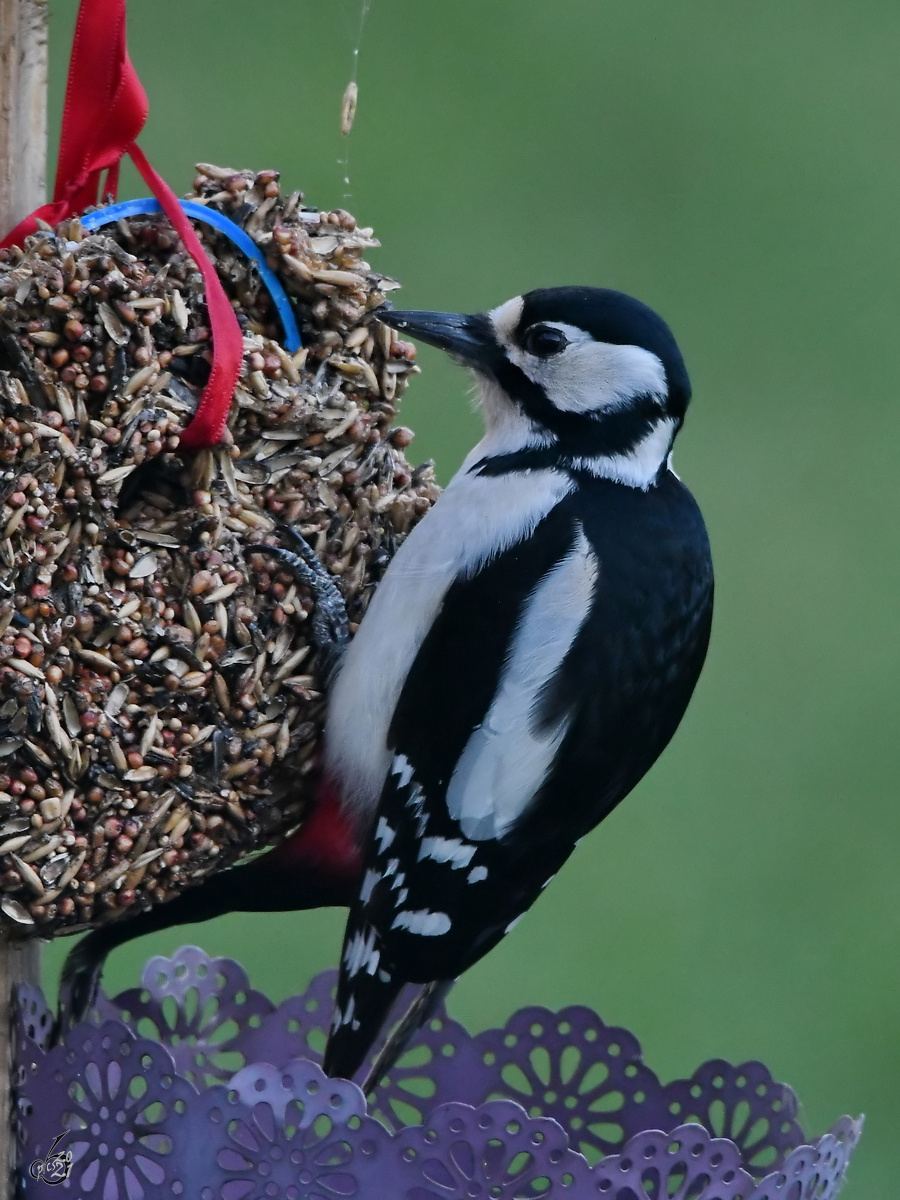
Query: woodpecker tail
{"x": 362, "y": 1011}
{"x": 362, "y": 1007}
{"x": 414, "y": 1018}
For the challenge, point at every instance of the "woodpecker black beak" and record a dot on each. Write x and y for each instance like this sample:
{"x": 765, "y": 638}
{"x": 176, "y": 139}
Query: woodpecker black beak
{"x": 468, "y": 338}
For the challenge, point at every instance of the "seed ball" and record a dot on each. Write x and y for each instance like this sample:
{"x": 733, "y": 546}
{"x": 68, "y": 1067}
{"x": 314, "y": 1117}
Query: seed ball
{"x": 154, "y": 587}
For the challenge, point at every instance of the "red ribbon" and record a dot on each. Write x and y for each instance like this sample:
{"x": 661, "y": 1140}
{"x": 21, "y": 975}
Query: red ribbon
{"x": 105, "y": 110}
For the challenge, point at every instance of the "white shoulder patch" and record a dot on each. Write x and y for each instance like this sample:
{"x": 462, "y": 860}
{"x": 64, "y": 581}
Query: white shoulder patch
{"x": 506, "y": 760}
{"x": 476, "y": 518}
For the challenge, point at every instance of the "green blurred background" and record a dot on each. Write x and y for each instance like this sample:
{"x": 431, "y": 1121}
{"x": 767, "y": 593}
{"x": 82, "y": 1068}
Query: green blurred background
{"x": 735, "y": 165}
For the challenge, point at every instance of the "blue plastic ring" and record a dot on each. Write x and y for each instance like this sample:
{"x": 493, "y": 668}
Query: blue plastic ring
{"x": 199, "y": 212}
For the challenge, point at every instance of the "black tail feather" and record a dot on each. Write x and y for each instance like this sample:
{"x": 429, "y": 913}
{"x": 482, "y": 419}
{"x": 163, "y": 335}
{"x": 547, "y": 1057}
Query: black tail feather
{"x": 362, "y": 1007}
{"x": 420, "y": 1011}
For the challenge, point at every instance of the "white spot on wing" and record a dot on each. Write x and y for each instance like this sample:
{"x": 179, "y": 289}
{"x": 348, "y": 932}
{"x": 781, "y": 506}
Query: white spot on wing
{"x": 477, "y": 874}
{"x": 421, "y": 921}
{"x": 402, "y": 768}
{"x": 384, "y": 834}
{"x": 368, "y": 886}
{"x": 506, "y": 760}
{"x": 360, "y": 953}
{"x": 446, "y": 850}
{"x": 346, "y": 1017}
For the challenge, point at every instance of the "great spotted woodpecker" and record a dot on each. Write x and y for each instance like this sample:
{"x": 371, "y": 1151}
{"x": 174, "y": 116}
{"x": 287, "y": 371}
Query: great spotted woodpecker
{"x": 526, "y": 658}
{"x": 530, "y": 651}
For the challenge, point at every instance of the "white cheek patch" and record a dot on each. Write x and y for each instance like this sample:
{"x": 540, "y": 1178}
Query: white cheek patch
{"x": 591, "y": 376}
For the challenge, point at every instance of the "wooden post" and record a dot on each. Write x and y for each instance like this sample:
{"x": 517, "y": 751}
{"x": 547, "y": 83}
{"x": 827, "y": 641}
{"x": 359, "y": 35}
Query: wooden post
{"x": 23, "y": 168}
{"x": 23, "y": 109}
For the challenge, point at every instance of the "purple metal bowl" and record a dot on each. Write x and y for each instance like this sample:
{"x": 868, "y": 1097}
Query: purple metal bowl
{"x": 196, "y": 1085}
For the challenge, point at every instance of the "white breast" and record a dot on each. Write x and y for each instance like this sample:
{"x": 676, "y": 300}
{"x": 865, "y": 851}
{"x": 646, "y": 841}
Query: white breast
{"x": 507, "y": 759}
{"x": 477, "y": 517}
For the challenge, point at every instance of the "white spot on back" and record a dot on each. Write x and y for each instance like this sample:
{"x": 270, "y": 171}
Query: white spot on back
{"x": 421, "y": 921}
{"x": 506, "y": 760}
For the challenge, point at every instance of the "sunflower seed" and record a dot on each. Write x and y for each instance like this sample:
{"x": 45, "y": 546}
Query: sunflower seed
{"x": 16, "y": 911}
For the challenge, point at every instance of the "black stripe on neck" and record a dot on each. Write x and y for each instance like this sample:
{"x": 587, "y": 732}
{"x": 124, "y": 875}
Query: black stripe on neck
{"x": 580, "y": 437}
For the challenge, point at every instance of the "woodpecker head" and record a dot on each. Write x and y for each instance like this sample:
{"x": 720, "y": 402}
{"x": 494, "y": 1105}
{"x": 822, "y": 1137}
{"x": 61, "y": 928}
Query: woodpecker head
{"x": 577, "y": 377}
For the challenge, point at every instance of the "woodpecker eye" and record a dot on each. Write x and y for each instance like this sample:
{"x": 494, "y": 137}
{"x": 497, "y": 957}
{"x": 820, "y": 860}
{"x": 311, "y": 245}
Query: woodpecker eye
{"x": 544, "y": 341}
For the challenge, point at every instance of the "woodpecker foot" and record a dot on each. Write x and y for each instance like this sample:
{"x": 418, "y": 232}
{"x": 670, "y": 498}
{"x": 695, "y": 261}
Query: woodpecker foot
{"x": 80, "y": 981}
{"x": 329, "y": 625}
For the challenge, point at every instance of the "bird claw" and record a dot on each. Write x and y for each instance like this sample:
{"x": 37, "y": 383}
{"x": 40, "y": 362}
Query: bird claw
{"x": 79, "y": 985}
{"x": 329, "y": 624}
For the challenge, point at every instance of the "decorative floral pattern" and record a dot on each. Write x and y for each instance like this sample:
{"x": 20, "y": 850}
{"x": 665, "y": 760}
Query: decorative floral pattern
{"x": 229, "y": 1103}
{"x": 127, "y": 1113}
{"x": 681, "y": 1164}
{"x": 744, "y": 1104}
{"x": 199, "y": 1009}
{"x": 494, "y": 1151}
{"x": 570, "y": 1066}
